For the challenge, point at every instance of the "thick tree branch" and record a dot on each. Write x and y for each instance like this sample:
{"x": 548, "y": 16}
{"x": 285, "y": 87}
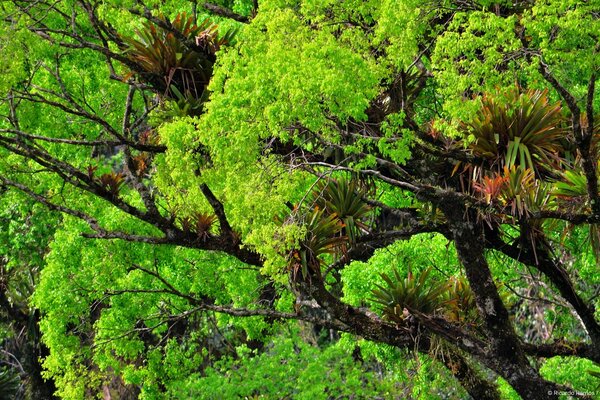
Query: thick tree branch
{"x": 478, "y": 386}
{"x": 219, "y": 210}
{"x": 559, "y": 348}
{"x": 507, "y": 357}
{"x": 541, "y": 259}
{"x": 574, "y": 218}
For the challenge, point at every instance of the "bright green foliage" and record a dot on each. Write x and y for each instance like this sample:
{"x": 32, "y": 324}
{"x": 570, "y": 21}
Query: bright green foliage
{"x": 578, "y": 372}
{"x": 78, "y": 280}
{"x": 565, "y": 33}
{"x": 26, "y": 229}
{"x": 292, "y": 369}
{"x": 288, "y": 369}
{"x": 335, "y": 116}
{"x": 421, "y": 376}
{"x": 360, "y": 278}
{"x": 467, "y": 40}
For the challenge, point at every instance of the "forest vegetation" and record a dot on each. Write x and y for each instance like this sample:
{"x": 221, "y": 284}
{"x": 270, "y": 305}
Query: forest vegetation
{"x": 299, "y": 199}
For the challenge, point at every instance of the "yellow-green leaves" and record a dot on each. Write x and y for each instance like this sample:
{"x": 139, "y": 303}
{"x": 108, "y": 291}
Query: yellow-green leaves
{"x": 475, "y": 54}
{"x": 400, "y": 28}
{"x": 566, "y": 34}
{"x": 286, "y": 74}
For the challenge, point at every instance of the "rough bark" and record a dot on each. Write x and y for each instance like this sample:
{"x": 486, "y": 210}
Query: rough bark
{"x": 506, "y": 355}
{"x": 472, "y": 380}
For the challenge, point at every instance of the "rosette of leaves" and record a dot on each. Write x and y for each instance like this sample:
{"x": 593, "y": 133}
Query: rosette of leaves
{"x": 518, "y": 128}
{"x": 413, "y": 292}
{"x": 491, "y": 187}
{"x": 182, "y": 105}
{"x": 112, "y": 182}
{"x": 141, "y": 162}
{"x": 184, "y": 60}
{"x": 515, "y": 190}
{"x": 323, "y": 237}
{"x": 460, "y": 305}
{"x": 199, "y": 223}
{"x": 9, "y": 383}
{"x": 572, "y": 187}
{"x": 515, "y": 193}
{"x": 344, "y": 198}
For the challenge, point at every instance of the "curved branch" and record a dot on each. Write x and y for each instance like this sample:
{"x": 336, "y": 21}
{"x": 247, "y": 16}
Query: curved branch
{"x": 539, "y": 257}
{"x": 559, "y": 348}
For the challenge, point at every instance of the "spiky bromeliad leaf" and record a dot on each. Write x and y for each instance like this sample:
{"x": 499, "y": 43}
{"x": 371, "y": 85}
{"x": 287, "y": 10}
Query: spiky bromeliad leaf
{"x": 198, "y": 223}
{"x": 411, "y": 293}
{"x": 460, "y": 305}
{"x": 168, "y": 61}
{"x": 515, "y": 190}
{"x": 203, "y": 223}
{"x": 112, "y": 182}
{"x": 491, "y": 187}
{"x": 182, "y": 105}
{"x": 572, "y": 190}
{"x": 323, "y": 236}
{"x": 518, "y": 128}
{"x": 344, "y": 198}
{"x": 9, "y": 384}
{"x": 573, "y": 184}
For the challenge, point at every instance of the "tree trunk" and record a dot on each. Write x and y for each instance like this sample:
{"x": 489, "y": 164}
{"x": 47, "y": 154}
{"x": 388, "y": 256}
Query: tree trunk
{"x": 506, "y": 356}
{"x": 474, "y": 383}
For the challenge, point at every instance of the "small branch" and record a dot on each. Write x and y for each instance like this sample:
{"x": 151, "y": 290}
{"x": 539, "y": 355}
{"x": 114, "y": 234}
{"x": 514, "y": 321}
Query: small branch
{"x": 453, "y": 333}
{"x": 60, "y": 140}
{"x": 394, "y": 235}
{"x": 574, "y": 218}
{"x": 93, "y": 223}
{"x": 103, "y": 234}
{"x": 407, "y": 214}
{"x": 565, "y": 94}
{"x": 171, "y": 289}
{"x": 559, "y": 348}
{"x": 227, "y": 13}
{"x": 589, "y": 108}
{"x": 200, "y": 305}
{"x": 218, "y": 208}
{"x": 535, "y": 299}
{"x": 99, "y": 233}
{"x": 366, "y": 245}
{"x": 128, "y": 108}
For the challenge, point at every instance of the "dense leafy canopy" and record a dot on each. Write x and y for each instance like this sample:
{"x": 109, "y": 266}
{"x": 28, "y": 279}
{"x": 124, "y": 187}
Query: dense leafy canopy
{"x": 299, "y": 199}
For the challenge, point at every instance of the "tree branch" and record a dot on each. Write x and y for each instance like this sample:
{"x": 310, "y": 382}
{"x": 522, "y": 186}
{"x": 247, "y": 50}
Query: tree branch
{"x": 225, "y": 12}
{"x": 219, "y": 210}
